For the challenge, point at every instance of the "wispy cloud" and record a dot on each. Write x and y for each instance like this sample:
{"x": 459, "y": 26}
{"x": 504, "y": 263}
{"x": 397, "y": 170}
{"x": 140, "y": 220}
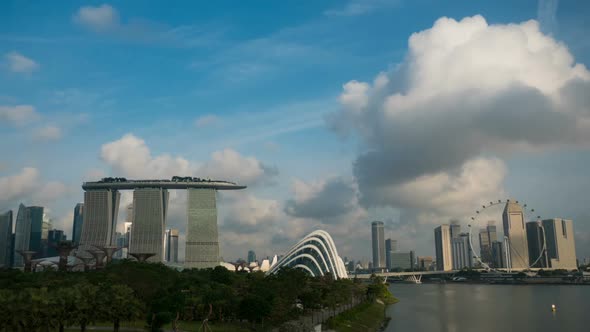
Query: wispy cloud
{"x": 19, "y": 63}
{"x": 262, "y": 126}
{"x": 546, "y": 15}
{"x": 18, "y": 115}
{"x": 360, "y": 7}
{"x": 106, "y": 20}
{"x": 206, "y": 120}
{"x": 47, "y": 133}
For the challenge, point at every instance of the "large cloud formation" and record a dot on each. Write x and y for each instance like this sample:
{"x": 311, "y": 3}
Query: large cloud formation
{"x": 466, "y": 91}
{"x": 130, "y": 156}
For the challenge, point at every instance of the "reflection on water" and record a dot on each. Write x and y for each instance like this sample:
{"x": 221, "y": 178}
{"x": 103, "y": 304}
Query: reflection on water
{"x": 489, "y": 308}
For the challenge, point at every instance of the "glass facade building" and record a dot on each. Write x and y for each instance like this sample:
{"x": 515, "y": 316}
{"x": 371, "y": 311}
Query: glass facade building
{"x": 77, "y": 222}
{"x": 378, "y": 242}
{"x": 5, "y": 239}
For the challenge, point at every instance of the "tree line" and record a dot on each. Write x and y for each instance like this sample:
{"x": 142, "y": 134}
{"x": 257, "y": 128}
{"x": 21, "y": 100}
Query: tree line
{"x": 129, "y": 291}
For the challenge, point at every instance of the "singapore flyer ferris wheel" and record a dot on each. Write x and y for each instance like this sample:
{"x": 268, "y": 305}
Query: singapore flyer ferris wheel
{"x": 508, "y": 251}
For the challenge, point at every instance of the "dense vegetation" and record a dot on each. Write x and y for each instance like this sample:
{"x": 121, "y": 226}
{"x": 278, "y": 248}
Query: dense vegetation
{"x": 129, "y": 291}
{"x": 370, "y": 315}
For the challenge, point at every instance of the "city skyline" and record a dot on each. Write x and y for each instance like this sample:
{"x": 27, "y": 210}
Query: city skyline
{"x": 331, "y": 117}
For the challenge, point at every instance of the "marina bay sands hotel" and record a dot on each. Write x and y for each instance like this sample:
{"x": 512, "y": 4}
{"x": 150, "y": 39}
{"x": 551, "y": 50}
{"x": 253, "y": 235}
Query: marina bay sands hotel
{"x": 150, "y": 205}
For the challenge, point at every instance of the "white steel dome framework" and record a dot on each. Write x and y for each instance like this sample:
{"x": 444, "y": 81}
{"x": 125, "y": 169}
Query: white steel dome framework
{"x": 316, "y": 254}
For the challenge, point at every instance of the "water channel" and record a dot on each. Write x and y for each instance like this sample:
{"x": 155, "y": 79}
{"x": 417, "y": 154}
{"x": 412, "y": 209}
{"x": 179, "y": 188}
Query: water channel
{"x": 461, "y": 307}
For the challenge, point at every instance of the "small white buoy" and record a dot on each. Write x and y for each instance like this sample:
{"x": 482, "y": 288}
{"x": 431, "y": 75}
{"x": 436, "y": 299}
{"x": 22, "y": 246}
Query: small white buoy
{"x": 553, "y": 307}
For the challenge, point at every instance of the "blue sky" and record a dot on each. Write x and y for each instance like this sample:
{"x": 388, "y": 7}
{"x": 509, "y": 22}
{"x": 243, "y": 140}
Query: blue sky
{"x": 259, "y": 79}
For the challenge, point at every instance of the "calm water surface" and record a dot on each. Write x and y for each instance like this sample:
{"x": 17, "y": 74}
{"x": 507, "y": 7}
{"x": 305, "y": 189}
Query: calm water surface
{"x": 489, "y": 308}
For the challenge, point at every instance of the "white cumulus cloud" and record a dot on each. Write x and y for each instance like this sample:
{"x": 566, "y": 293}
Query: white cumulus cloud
{"x": 98, "y": 18}
{"x": 18, "y": 185}
{"x": 466, "y": 89}
{"x": 131, "y": 157}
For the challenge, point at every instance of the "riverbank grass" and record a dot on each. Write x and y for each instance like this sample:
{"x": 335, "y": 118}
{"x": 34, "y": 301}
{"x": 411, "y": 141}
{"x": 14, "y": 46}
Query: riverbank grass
{"x": 366, "y": 317}
{"x": 362, "y": 318}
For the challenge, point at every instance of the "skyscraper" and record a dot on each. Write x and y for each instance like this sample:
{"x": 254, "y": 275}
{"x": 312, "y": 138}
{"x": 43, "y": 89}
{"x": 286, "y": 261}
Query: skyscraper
{"x": 101, "y": 207}
{"x": 28, "y": 231}
{"x": 498, "y": 254}
{"x": 172, "y": 245}
{"x": 390, "y": 246}
{"x": 46, "y": 225}
{"x": 77, "y": 223}
{"x": 442, "y": 245}
{"x": 424, "y": 262}
{"x": 561, "y": 247}
{"x": 534, "y": 233}
{"x": 462, "y": 257}
{"x": 5, "y": 238}
{"x": 127, "y": 235}
{"x": 514, "y": 229}
{"x": 54, "y": 237}
{"x": 485, "y": 248}
{"x": 202, "y": 246}
{"x": 402, "y": 260}
{"x": 455, "y": 229}
{"x": 121, "y": 239}
{"x": 492, "y": 234}
{"x": 378, "y": 237}
{"x": 251, "y": 256}
{"x": 150, "y": 206}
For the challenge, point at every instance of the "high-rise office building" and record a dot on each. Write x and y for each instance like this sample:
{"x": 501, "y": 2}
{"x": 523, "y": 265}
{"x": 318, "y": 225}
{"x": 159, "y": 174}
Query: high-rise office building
{"x": 120, "y": 244}
{"x": 101, "y": 207}
{"x": 402, "y": 260}
{"x": 46, "y": 225}
{"x": 442, "y": 245}
{"x": 485, "y": 246}
{"x": 127, "y": 234}
{"x": 5, "y": 239}
{"x": 455, "y": 229}
{"x": 251, "y": 256}
{"x": 54, "y": 237}
{"x": 462, "y": 256}
{"x": 150, "y": 206}
{"x": 424, "y": 262}
{"x": 172, "y": 245}
{"x": 22, "y": 231}
{"x": 378, "y": 240}
{"x": 202, "y": 245}
{"x": 492, "y": 234}
{"x": 535, "y": 240}
{"x": 514, "y": 229}
{"x": 498, "y": 254}
{"x": 28, "y": 231}
{"x": 561, "y": 247}
{"x": 77, "y": 222}
{"x": 390, "y": 246}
